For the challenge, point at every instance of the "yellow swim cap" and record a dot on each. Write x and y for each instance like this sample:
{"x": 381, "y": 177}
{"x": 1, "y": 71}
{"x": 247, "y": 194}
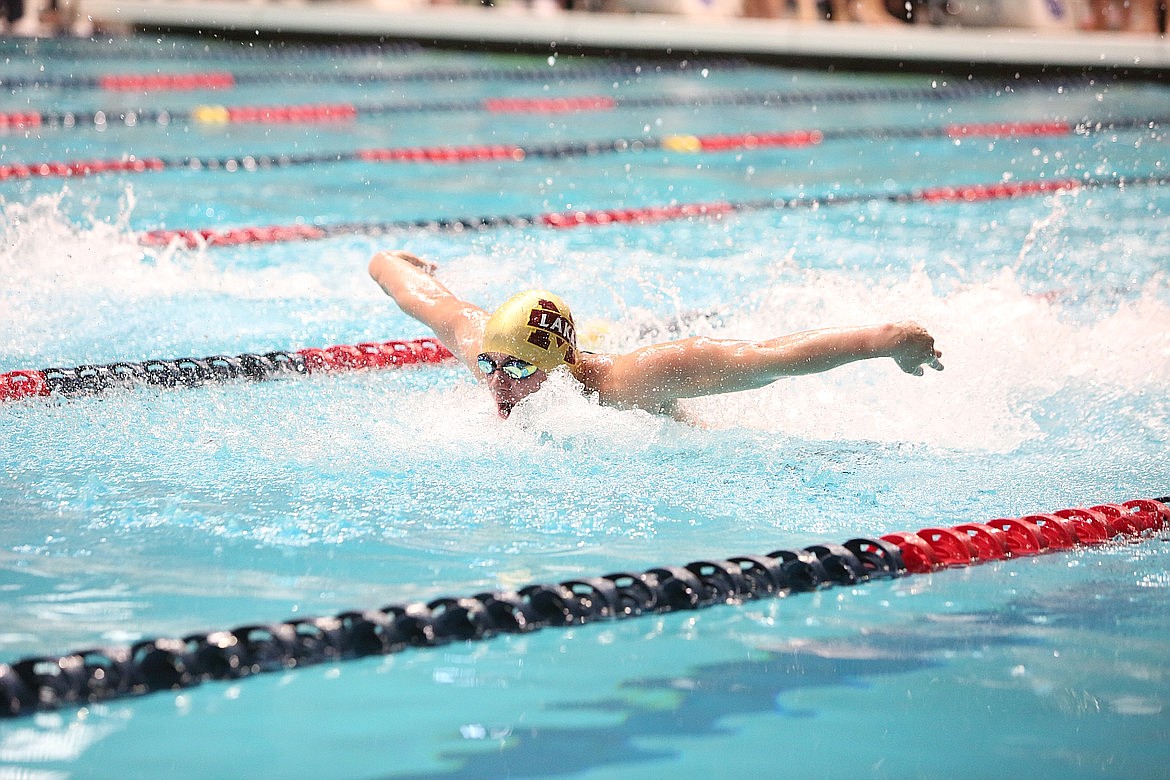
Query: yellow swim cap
{"x": 535, "y": 326}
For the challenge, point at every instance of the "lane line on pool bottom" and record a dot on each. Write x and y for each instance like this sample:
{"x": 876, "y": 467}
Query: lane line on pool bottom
{"x": 98, "y": 674}
{"x": 640, "y": 215}
{"x": 193, "y": 372}
{"x": 473, "y": 153}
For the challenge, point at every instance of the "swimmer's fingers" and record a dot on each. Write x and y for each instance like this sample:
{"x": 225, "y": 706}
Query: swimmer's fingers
{"x": 909, "y": 364}
{"x": 914, "y": 366}
{"x": 415, "y": 260}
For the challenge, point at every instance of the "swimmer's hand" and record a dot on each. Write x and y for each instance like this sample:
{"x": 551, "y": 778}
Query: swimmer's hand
{"x": 914, "y": 348}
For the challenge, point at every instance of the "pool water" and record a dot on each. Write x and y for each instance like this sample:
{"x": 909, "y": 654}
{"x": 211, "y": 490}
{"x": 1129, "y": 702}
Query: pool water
{"x": 152, "y": 512}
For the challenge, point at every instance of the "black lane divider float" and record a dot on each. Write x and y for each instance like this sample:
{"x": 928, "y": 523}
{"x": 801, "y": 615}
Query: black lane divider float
{"x": 790, "y": 139}
{"x": 214, "y": 80}
{"x": 346, "y": 112}
{"x": 641, "y": 215}
{"x": 100, "y": 674}
{"x": 193, "y": 372}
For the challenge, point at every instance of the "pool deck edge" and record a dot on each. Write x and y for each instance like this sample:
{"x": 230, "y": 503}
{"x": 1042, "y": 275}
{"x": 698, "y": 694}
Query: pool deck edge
{"x": 893, "y": 47}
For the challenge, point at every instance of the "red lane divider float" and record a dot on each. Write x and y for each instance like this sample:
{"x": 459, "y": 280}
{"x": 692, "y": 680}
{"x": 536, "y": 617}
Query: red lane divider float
{"x": 998, "y": 191}
{"x": 248, "y": 235}
{"x": 176, "y": 82}
{"x": 444, "y": 154}
{"x": 22, "y": 384}
{"x": 193, "y": 372}
{"x": 967, "y": 544}
{"x": 81, "y": 168}
{"x": 303, "y": 114}
{"x": 374, "y": 355}
{"x": 1008, "y": 129}
{"x": 550, "y": 105}
{"x": 790, "y": 140}
{"x": 649, "y": 214}
{"x": 19, "y": 120}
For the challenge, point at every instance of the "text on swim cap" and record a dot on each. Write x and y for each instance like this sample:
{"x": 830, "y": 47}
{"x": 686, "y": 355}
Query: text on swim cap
{"x": 549, "y": 322}
{"x": 554, "y": 323}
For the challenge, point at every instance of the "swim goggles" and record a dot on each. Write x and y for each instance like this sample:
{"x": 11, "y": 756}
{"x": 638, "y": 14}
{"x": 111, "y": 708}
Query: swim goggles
{"x": 513, "y": 367}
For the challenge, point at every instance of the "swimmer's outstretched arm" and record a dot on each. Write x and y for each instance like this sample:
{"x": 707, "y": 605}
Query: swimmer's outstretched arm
{"x": 410, "y": 281}
{"x": 655, "y": 376}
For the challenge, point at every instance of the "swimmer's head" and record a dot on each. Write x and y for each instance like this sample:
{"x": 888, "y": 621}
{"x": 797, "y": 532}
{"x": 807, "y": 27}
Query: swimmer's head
{"x": 534, "y": 327}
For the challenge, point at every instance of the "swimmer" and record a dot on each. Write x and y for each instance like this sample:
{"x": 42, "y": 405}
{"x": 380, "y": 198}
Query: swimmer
{"x": 532, "y": 334}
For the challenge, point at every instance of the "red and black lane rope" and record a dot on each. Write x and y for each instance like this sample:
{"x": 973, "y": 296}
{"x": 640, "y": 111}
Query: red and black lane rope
{"x": 346, "y": 112}
{"x": 639, "y": 215}
{"x": 221, "y": 79}
{"x": 416, "y": 154}
{"x": 193, "y": 372}
{"x": 473, "y": 153}
{"x": 98, "y": 674}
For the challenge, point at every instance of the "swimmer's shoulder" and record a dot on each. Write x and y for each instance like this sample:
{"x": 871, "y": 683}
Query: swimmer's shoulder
{"x": 593, "y": 370}
{"x": 592, "y": 367}
{"x": 597, "y": 371}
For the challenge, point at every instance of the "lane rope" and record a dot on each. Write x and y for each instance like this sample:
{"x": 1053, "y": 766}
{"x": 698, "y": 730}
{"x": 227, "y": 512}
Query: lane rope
{"x": 641, "y": 215}
{"x": 346, "y": 112}
{"x": 51, "y": 52}
{"x": 193, "y": 372}
{"x": 188, "y": 372}
{"x": 217, "y": 80}
{"x": 97, "y": 674}
{"x": 691, "y": 144}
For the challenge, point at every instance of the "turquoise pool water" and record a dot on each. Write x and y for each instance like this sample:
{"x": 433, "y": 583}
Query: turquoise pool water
{"x": 151, "y": 513}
